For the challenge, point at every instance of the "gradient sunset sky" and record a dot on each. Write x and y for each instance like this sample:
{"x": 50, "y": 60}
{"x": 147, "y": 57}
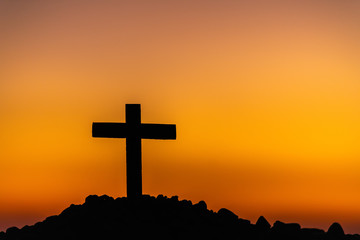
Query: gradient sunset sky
{"x": 265, "y": 96}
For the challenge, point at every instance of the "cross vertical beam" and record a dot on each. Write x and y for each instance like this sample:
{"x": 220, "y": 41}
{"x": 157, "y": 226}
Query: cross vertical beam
{"x": 133, "y": 151}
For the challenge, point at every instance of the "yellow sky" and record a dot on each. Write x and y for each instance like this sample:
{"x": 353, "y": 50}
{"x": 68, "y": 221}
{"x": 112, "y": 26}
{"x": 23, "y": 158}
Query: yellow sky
{"x": 265, "y": 97}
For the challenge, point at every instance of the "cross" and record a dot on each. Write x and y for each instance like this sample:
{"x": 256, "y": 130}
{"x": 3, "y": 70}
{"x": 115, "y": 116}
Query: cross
{"x": 133, "y": 130}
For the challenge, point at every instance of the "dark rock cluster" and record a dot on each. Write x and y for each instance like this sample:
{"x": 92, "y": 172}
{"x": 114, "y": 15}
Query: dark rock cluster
{"x": 161, "y": 218}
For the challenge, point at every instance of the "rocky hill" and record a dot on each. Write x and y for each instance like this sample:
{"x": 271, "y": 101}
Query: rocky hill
{"x": 161, "y": 218}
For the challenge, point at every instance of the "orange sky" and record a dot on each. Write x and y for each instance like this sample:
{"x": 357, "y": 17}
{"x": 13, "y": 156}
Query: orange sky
{"x": 265, "y": 96}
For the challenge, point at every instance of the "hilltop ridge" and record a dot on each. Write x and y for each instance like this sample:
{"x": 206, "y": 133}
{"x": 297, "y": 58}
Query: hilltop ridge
{"x": 103, "y": 217}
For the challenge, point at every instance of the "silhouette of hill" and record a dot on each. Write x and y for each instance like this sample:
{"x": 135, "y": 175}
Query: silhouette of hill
{"x": 161, "y": 218}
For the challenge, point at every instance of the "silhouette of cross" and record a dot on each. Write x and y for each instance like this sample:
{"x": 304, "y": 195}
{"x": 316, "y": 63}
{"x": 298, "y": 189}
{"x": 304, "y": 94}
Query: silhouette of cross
{"x": 133, "y": 130}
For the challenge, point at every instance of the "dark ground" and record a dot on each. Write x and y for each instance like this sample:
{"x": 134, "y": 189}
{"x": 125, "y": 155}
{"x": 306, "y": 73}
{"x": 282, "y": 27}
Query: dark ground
{"x": 161, "y": 218}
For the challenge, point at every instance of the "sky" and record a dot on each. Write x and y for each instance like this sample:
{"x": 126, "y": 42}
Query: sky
{"x": 264, "y": 94}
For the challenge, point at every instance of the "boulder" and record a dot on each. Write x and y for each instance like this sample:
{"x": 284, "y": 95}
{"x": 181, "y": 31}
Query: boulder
{"x": 201, "y": 206}
{"x": 12, "y": 230}
{"x": 335, "y": 231}
{"x": 227, "y": 215}
{"x": 262, "y": 224}
{"x": 282, "y": 230}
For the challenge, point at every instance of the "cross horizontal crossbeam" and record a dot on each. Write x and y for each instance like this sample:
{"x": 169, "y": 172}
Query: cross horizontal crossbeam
{"x": 144, "y": 131}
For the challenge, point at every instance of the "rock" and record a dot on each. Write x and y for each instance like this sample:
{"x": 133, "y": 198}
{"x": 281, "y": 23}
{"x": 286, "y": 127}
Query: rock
{"x": 287, "y": 227}
{"x": 186, "y": 203}
{"x": 91, "y": 199}
{"x": 160, "y": 196}
{"x": 336, "y": 231}
{"x": 106, "y": 198}
{"x": 12, "y": 230}
{"x": 282, "y": 230}
{"x": 227, "y": 215}
{"x": 174, "y": 198}
{"x": 262, "y": 224}
{"x": 161, "y": 218}
{"x": 201, "y": 206}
